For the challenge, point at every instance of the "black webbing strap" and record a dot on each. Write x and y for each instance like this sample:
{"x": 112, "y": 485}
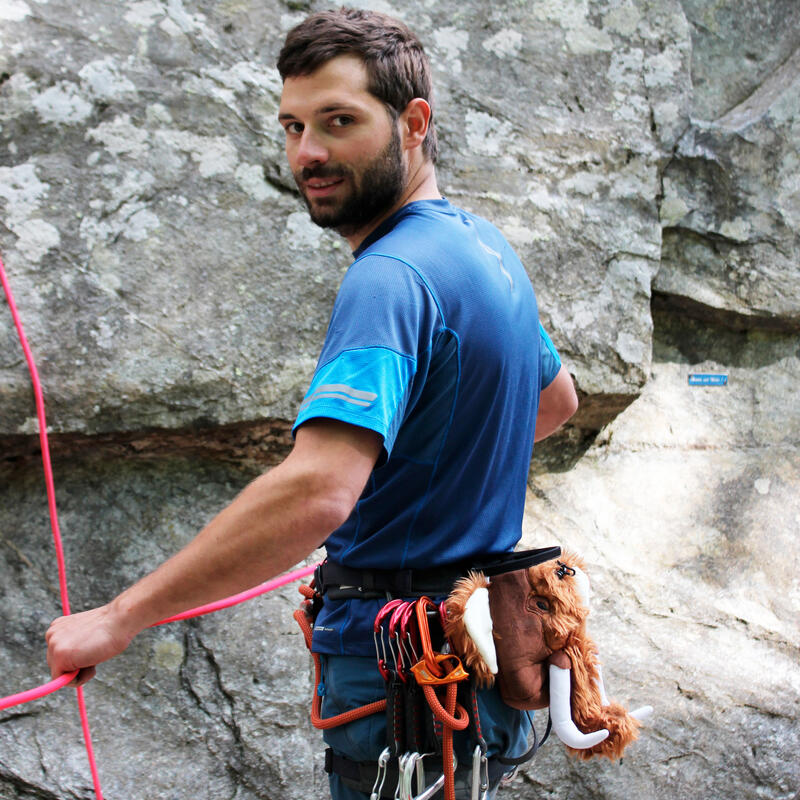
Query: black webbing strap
{"x": 517, "y": 760}
{"x": 519, "y": 559}
{"x": 339, "y": 582}
{"x": 395, "y": 715}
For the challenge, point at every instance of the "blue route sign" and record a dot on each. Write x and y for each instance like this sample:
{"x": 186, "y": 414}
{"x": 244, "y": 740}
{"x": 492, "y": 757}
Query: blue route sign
{"x": 708, "y": 379}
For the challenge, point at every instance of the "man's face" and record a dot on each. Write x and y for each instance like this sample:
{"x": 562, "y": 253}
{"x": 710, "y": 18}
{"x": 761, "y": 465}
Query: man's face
{"x": 343, "y": 147}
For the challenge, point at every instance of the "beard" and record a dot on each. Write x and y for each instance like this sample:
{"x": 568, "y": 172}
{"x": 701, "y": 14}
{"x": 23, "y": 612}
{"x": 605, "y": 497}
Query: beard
{"x": 378, "y": 188}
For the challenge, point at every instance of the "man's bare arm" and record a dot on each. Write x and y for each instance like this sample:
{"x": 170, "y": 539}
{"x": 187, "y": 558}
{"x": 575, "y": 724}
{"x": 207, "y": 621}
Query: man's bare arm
{"x": 276, "y": 521}
{"x": 557, "y": 403}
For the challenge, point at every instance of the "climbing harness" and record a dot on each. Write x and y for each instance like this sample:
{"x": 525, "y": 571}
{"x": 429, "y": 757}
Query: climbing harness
{"x": 339, "y": 582}
{"x": 429, "y": 695}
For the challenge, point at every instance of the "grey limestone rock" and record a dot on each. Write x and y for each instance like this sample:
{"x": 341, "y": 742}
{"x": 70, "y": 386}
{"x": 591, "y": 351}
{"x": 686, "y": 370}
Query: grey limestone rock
{"x": 731, "y": 210}
{"x": 641, "y": 156}
{"x": 687, "y": 509}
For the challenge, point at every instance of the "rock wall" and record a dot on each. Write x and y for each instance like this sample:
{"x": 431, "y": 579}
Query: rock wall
{"x": 643, "y": 159}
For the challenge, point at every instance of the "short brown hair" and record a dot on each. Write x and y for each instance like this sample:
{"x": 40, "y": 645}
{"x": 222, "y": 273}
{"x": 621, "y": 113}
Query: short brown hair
{"x": 397, "y": 66}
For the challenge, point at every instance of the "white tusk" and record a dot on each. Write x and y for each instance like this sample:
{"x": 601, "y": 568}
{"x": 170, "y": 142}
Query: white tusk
{"x": 601, "y": 687}
{"x": 478, "y": 622}
{"x": 642, "y": 713}
{"x": 561, "y": 713}
{"x": 583, "y": 587}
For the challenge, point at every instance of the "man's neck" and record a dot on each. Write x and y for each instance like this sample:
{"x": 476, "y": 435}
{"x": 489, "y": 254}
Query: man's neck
{"x": 421, "y": 186}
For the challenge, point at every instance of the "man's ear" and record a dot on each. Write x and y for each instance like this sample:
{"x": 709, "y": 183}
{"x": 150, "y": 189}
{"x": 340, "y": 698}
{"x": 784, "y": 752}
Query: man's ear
{"x": 414, "y": 122}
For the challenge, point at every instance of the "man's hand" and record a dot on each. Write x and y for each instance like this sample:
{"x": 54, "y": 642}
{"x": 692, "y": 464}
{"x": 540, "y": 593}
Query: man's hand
{"x": 81, "y": 641}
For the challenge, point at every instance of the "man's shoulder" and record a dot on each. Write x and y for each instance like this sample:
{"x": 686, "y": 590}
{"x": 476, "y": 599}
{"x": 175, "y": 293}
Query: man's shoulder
{"x": 437, "y": 247}
{"x": 419, "y": 218}
{"x": 429, "y": 228}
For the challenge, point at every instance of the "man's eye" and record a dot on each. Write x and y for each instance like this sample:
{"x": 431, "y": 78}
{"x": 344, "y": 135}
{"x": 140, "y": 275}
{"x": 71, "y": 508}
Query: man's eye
{"x": 293, "y": 128}
{"x": 341, "y": 121}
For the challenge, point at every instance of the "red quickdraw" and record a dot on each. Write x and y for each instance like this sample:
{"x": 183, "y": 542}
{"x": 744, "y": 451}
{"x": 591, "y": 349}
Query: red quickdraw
{"x": 398, "y": 629}
{"x": 377, "y": 635}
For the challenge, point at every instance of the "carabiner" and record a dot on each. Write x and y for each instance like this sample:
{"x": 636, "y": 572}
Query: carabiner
{"x": 402, "y": 632}
{"x": 397, "y": 615}
{"x": 428, "y": 656}
{"x": 380, "y": 778}
{"x": 377, "y": 634}
{"x": 431, "y": 790}
{"x": 408, "y": 763}
{"x": 480, "y": 774}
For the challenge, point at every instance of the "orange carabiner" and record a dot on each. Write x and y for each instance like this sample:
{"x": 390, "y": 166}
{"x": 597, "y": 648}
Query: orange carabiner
{"x": 428, "y": 656}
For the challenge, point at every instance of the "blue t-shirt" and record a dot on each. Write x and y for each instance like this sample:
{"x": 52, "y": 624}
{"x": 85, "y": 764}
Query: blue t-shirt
{"x": 435, "y": 343}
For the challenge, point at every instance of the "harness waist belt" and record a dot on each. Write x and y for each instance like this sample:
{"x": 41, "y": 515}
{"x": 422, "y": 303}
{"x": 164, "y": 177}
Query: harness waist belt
{"x": 339, "y": 581}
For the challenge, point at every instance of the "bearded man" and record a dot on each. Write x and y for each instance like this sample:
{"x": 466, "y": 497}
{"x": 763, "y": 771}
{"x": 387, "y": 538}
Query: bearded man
{"x": 413, "y": 443}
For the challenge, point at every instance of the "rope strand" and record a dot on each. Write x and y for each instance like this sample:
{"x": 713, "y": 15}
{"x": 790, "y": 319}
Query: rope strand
{"x": 64, "y": 680}
{"x": 53, "y": 512}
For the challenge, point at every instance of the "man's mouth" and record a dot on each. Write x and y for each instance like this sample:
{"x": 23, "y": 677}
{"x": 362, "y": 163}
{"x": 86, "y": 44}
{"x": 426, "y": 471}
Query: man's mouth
{"x": 317, "y": 188}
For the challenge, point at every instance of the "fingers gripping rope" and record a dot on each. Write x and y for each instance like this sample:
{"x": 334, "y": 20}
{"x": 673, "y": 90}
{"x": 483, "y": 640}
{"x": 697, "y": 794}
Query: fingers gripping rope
{"x": 263, "y": 588}
{"x": 64, "y": 680}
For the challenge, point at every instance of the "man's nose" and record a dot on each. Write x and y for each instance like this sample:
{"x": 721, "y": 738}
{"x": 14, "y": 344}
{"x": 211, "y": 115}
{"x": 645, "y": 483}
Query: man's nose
{"x": 310, "y": 150}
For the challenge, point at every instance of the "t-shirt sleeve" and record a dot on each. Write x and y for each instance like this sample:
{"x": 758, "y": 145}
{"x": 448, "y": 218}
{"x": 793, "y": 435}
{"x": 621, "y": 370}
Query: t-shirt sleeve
{"x": 383, "y": 321}
{"x": 550, "y": 362}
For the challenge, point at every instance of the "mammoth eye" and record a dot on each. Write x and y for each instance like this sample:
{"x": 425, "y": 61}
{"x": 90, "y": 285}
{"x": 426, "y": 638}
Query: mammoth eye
{"x": 539, "y": 603}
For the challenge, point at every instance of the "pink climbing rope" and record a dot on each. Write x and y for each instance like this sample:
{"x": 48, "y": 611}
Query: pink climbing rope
{"x": 51, "y": 503}
{"x": 40, "y": 691}
{"x": 235, "y": 599}
{"x": 64, "y": 680}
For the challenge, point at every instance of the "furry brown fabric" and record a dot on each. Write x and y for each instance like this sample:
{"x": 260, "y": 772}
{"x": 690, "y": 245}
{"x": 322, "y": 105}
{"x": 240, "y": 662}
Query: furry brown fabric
{"x": 565, "y": 630}
{"x": 539, "y": 618}
{"x": 456, "y": 633}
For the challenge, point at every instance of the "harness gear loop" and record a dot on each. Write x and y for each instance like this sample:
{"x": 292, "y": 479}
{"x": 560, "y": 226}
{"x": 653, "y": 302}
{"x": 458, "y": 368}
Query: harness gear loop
{"x": 304, "y": 621}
